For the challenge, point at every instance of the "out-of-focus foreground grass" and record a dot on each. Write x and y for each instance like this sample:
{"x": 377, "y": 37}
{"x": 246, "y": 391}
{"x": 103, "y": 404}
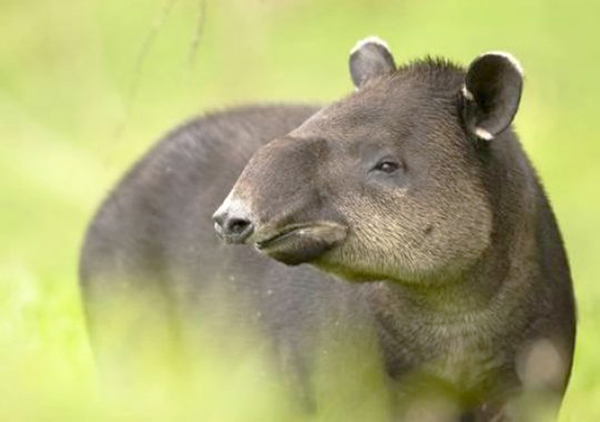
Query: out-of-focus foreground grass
{"x": 86, "y": 87}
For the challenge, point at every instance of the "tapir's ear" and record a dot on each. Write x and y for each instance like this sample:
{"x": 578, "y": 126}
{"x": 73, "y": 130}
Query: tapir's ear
{"x": 492, "y": 91}
{"x": 370, "y": 58}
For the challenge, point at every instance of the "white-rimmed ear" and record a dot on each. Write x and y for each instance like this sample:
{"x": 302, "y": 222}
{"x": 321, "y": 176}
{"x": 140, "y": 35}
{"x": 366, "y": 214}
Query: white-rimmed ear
{"x": 370, "y": 58}
{"x": 492, "y": 92}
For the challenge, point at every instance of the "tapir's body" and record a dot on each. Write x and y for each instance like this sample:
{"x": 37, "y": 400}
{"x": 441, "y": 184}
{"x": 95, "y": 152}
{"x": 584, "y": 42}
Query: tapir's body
{"x": 493, "y": 320}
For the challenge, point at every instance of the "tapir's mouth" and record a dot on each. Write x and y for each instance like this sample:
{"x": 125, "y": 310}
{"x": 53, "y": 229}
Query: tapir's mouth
{"x": 298, "y": 243}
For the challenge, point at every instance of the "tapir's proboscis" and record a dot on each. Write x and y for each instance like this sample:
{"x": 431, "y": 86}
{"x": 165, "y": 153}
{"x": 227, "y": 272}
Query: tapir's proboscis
{"x": 403, "y": 220}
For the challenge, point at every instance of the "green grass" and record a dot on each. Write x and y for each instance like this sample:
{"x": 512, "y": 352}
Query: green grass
{"x": 78, "y": 104}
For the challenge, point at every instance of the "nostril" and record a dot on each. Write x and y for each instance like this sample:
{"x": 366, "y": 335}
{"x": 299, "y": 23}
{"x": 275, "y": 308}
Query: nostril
{"x": 232, "y": 226}
{"x": 237, "y": 226}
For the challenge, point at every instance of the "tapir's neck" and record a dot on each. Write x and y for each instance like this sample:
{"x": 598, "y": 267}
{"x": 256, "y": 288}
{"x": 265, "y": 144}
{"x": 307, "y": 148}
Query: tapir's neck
{"x": 436, "y": 301}
{"x": 492, "y": 285}
{"x": 449, "y": 325}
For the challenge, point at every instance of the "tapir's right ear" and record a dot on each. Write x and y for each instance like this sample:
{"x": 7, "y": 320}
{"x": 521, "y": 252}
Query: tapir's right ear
{"x": 492, "y": 92}
{"x": 370, "y": 58}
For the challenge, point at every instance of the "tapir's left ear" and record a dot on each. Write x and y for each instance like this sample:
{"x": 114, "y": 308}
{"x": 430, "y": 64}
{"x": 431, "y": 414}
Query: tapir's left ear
{"x": 370, "y": 58}
{"x": 492, "y": 92}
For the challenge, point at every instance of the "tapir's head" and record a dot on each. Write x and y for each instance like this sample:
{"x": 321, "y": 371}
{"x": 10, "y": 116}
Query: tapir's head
{"x": 386, "y": 183}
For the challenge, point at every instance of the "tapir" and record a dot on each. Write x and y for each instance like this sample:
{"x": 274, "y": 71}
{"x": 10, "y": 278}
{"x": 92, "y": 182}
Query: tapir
{"x": 403, "y": 221}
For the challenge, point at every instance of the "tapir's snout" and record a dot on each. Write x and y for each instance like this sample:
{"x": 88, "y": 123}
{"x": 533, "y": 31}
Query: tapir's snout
{"x": 278, "y": 206}
{"x": 232, "y": 222}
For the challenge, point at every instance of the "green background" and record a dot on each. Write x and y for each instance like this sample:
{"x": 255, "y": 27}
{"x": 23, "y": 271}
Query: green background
{"x": 87, "y": 86}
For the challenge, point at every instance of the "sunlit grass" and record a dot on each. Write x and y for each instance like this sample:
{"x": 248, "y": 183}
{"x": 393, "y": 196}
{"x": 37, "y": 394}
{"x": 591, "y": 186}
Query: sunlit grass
{"x": 69, "y": 127}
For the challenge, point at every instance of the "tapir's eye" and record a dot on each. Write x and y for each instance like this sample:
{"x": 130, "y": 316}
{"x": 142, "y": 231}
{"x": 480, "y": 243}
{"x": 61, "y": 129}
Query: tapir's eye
{"x": 387, "y": 166}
